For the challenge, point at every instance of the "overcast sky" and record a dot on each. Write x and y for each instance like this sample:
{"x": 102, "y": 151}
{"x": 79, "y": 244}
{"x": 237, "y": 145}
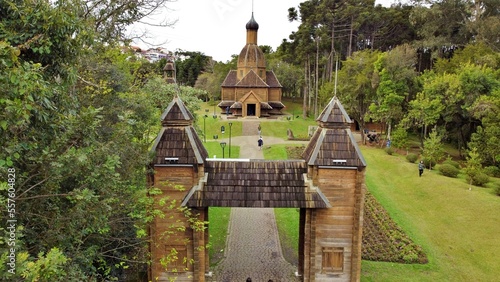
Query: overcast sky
{"x": 217, "y": 27}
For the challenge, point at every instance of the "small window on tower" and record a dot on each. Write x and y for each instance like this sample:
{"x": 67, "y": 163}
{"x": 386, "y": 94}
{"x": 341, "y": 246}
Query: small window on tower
{"x": 333, "y": 260}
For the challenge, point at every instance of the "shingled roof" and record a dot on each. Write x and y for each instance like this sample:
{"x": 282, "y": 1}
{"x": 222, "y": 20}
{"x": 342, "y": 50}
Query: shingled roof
{"x": 231, "y": 80}
{"x": 177, "y": 141}
{"x": 333, "y": 143}
{"x": 255, "y": 183}
{"x": 251, "y": 79}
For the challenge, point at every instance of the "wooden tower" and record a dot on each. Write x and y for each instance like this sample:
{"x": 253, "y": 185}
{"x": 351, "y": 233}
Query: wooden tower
{"x": 178, "y": 164}
{"x": 332, "y": 237}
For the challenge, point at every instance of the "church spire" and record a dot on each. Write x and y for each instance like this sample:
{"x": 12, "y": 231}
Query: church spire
{"x": 252, "y": 28}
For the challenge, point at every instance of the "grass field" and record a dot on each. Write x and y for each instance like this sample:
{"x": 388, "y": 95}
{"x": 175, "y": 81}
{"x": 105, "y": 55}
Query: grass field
{"x": 458, "y": 229}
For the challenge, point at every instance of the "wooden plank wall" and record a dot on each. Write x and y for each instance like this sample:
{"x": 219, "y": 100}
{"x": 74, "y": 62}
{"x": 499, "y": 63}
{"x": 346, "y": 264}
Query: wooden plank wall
{"x": 335, "y": 227}
{"x": 165, "y": 234}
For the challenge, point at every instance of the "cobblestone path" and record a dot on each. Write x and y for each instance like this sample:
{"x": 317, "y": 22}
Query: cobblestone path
{"x": 253, "y": 249}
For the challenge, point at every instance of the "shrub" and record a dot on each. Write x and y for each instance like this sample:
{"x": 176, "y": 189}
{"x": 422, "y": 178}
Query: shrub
{"x": 496, "y": 189}
{"x": 452, "y": 163}
{"x": 428, "y": 163}
{"x": 493, "y": 171}
{"x": 412, "y": 158}
{"x": 389, "y": 150}
{"x": 448, "y": 170}
{"x": 478, "y": 178}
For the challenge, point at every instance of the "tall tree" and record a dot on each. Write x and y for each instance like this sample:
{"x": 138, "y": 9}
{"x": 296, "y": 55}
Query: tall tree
{"x": 396, "y": 77}
{"x": 355, "y": 84}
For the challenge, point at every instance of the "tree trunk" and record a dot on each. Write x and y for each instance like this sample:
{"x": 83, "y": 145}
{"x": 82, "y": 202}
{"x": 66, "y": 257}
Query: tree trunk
{"x": 306, "y": 86}
{"x": 309, "y": 82}
{"x": 316, "y": 80}
{"x": 349, "y": 51}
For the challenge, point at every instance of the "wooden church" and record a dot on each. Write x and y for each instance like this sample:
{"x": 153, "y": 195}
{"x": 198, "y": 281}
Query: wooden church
{"x": 327, "y": 186}
{"x": 251, "y": 90}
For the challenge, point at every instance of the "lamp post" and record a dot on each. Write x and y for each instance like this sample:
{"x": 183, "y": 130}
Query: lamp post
{"x": 204, "y": 128}
{"x": 230, "y": 125}
{"x": 222, "y": 145}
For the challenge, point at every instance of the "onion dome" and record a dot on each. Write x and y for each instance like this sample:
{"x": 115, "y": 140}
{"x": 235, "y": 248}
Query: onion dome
{"x": 252, "y": 24}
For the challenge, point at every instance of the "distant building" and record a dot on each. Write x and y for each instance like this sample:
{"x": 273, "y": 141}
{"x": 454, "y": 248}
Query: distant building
{"x": 251, "y": 90}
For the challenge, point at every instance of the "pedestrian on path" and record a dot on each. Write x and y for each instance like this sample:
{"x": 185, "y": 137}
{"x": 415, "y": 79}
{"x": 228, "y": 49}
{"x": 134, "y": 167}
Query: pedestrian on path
{"x": 260, "y": 143}
{"x": 420, "y": 168}
{"x": 249, "y": 279}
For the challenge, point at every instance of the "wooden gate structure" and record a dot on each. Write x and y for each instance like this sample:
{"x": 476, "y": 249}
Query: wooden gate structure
{"x": 327, "y": 185}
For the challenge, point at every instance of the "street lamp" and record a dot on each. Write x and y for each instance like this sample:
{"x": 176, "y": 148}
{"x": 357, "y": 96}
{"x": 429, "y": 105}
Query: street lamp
{"x": 222, "y": 145}
{"x": 230, "y": 125}
{"x": 204, "y": 128}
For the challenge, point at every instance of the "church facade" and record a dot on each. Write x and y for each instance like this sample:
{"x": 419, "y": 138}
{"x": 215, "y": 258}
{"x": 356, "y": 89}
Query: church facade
{"x": 251, "y": 90}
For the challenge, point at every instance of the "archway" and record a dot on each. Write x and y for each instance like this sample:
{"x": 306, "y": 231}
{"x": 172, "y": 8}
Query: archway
{"x": 327, "y": 185}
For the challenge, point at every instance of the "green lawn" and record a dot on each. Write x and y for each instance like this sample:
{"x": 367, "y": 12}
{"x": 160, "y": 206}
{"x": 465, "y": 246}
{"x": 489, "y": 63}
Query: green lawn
{"x": 215, "y": 150}
{"x": 457, "y": 228}
{"x": 217, "y": 230}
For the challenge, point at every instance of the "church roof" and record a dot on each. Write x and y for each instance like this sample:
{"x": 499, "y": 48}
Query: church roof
{"x": 231, "y": 80}
{"x": 272, "y": 80}
{"x": 251, "y": 56}
{"x": 251, "y": 79}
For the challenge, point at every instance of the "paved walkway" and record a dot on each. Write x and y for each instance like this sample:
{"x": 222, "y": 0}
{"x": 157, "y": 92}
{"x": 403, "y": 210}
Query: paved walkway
{"x": 253, "y": 247}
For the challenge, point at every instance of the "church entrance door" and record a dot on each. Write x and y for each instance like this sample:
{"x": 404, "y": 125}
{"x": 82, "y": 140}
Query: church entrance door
{"x": 251, "y": 109}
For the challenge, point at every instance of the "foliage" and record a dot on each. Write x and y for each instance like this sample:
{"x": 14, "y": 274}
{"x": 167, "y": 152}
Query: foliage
{"x": 411, "y": 157}
{"x": 496, "y": 189}
{"x": 356, "y": 91}
{"x": 212, "y": 81}
{"x": 493, "y": 171}
{"x": 429, "y": 163}
{"x": 451, "y": 162}
{"x": 433, "y": 149}
{"x": 399, "y": 138}
{"x": 473, "y": 169}
{"x": 478, "y": 178}
{"x": 389, "y": 150}
{"x": 396, "y": 74}
{"x": 486, "y": 138}
{"x": 190, "y": 66}
{"x": 76, "y": 129}
{"x": 448, "y": 170}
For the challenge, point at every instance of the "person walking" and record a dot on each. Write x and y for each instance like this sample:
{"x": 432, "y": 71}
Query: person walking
{"x": 260, "y": 143}
{"x": 420, "y": 168}
{"x": 249, "y": 279}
